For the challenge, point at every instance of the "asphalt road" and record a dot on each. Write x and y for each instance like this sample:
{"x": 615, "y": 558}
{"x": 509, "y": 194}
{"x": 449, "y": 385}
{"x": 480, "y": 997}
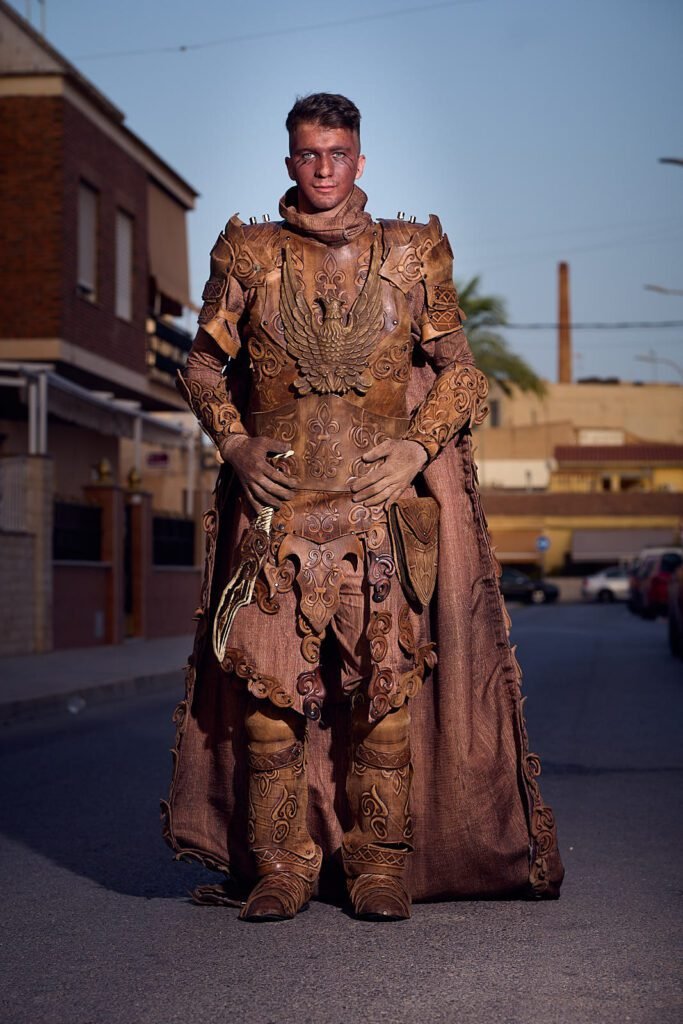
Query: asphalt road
{"x": 97, "y": 927}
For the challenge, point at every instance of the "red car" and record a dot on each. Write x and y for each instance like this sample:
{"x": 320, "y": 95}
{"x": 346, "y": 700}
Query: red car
{"x": 676, "y": 613}
{"x": 650, "y": 583}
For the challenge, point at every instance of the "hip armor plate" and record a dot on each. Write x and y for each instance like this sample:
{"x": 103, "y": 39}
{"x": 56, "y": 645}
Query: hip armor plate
{"x": 329, "y": 436}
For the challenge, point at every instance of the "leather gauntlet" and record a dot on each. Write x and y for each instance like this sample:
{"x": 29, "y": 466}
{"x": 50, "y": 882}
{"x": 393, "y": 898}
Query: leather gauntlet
{"x": 212, "y": 407}
{"x": 456, "y": 399}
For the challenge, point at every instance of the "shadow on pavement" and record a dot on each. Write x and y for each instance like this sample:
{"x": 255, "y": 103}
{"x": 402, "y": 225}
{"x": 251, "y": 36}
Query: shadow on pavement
{"x": 84, "y": 793}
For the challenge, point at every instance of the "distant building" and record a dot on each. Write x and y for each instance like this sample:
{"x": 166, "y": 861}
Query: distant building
{"x": 596, "y": 468}
{"x": 618, "y": 468}
{"x": 516, "y": 444}
{"x": 93, "y": 283}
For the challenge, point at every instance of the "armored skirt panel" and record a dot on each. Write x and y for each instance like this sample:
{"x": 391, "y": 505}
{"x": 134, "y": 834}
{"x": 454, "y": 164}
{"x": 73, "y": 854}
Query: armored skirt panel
{"x": 329, "y": 572}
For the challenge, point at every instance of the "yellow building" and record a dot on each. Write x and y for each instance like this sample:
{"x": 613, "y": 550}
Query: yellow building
{"x": 645, "y": 468}
{"x": 580, "y": 529}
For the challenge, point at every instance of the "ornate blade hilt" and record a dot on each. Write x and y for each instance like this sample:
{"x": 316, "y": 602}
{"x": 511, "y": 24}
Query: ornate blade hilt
{"x": 239, "y": 591}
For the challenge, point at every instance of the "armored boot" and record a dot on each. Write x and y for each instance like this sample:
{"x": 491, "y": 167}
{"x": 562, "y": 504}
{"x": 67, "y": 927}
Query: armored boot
{"x": 287, "y": 859}
{"x": 375, "y": 851}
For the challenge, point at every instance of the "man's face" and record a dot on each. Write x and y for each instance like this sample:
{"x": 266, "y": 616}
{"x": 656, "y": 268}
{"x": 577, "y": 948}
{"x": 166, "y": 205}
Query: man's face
{"x": 324, "y": 163}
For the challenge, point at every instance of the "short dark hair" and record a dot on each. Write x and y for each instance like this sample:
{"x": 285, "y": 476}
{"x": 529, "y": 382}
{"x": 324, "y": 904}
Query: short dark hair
{"x": 327, "y": 109}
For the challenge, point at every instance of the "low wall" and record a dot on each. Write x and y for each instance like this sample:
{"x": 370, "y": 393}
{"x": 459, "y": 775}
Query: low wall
{"x": 17, "y": 566}
{"x": 172, "y": 597}
{"x": 80, "y": 602}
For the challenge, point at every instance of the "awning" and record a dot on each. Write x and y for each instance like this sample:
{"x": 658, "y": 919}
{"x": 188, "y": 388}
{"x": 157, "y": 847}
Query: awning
{"x": 613, "y": 545}
{"x": 48, "y": 394}
{"x": 167, "y": 245}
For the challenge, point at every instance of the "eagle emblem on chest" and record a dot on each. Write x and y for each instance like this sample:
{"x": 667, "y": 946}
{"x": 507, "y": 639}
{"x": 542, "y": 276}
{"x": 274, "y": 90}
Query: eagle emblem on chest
{"x": 331, "y": 347}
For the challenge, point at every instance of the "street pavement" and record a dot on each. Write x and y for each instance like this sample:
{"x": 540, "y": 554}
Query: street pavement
{"x": 98, "y": 929}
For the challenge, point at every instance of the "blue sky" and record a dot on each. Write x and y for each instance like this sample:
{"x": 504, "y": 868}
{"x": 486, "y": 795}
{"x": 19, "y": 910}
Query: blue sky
{"x": 532, "y": 127}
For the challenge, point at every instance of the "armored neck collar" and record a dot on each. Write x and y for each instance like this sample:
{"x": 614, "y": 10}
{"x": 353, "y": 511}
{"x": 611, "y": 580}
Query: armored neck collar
{"x": 350, "y": 222}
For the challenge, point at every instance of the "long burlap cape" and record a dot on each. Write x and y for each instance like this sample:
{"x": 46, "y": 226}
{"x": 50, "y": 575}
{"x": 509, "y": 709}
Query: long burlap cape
{"x": 481, "y": 827}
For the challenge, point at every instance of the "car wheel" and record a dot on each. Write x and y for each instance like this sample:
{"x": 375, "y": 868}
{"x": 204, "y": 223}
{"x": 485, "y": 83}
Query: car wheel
{"x": 537, "y": 596}
{"x": 675, "y": 638}
{"x": 605, "y": 596}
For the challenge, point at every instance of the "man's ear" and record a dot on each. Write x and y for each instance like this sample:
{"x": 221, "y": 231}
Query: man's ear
{"x": 360, "y": 167}
{"x": 290, "y": 167}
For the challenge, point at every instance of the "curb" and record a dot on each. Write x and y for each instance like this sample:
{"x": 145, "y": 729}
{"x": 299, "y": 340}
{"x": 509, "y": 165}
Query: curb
{"x": 76, "y": 700}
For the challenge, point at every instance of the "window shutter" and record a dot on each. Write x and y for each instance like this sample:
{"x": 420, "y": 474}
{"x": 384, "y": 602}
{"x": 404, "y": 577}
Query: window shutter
{"x": 87, "y": 240}
{"x": 124, "y": 265}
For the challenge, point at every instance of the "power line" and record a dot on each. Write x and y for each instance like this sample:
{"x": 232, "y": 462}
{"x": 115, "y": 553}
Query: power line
{"x": 271, "y": 33}
{"x": 617, "y": 325}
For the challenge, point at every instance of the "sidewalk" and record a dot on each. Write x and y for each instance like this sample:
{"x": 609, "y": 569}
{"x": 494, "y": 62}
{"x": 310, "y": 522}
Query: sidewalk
{"x": 38, "y": 684}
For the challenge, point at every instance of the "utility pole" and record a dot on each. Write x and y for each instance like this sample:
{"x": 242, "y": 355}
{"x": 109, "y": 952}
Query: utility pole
{"x": 564, "y": 337}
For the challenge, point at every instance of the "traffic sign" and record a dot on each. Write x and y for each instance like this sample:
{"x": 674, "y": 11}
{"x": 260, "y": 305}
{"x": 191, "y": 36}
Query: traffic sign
{"x": 542, "y": 542}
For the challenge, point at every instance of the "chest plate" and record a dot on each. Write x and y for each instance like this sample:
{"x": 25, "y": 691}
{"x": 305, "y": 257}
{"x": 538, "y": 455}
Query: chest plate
{"x": 324, "y": 321}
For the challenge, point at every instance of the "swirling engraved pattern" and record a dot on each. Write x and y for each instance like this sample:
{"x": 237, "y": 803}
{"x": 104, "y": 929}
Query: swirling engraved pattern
{"x": 406, "y": 262}
{"x": 265, "y": 601}
{"x": 309, "y": 685}
{"x": 264, "y": 687}
{"x": 283, "y": 813}
{"x": 393, "y": 361}
{"x": 320, "y": 579}
{"x": 455, "y": 399}
{"x": 378, "y": 629}
{"x": 373, "y": 807}
{"x": 247, "y": 267}
{"x": 380, "y": 571}
{"x": 406, "y": 635}
{"x": 213, "y": 408}
{"x": 321, "y": 517}
{"x": 267, "y": 361}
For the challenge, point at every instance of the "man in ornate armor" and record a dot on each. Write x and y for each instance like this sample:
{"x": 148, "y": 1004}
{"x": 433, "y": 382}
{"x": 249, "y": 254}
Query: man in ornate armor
{"x": 332, "y": 373}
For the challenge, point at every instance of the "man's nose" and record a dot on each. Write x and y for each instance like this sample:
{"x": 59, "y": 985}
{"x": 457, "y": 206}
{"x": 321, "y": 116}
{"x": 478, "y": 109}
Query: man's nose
{"x": 324, "y": 168}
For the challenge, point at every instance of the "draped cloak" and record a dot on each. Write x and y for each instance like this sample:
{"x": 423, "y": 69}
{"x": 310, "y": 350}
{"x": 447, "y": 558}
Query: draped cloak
{"x": 481, "y": 826}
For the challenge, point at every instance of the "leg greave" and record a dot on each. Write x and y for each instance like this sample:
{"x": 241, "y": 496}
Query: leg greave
{"x": 378, "y": 788}
{"x": 278, "y": 794}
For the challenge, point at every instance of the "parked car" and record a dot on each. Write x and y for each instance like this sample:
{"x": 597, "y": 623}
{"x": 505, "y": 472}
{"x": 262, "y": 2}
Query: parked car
{"x": 517, "y": 586}
{"x": 608, "y": 585}
{"x": 649, "y": 583}
{"x": 676, "y": 613}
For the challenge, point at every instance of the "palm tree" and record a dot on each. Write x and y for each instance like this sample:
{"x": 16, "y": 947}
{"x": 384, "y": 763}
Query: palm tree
{"x": 492, "y": 353}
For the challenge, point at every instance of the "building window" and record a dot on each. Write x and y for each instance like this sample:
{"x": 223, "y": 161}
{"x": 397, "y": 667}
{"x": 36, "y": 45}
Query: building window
{"x": 88, "y": 202}
{"x": 124, "y": 266}
{"x": 494, "y": 417}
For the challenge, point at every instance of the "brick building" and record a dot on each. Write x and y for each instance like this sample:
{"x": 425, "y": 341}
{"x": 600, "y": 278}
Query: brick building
{"x": 93, "y": 285}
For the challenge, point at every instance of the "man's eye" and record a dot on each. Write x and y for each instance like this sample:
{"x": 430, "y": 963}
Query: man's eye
{"x": 306, "y": 156}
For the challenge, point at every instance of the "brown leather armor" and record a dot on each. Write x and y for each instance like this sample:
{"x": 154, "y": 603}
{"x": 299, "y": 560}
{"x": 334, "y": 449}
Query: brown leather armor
{"x": 324, "y": 314}
{"x": 329, "y": 312}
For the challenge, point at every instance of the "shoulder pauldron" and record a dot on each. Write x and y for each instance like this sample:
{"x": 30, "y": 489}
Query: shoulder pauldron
{"x": 420, "y": 254}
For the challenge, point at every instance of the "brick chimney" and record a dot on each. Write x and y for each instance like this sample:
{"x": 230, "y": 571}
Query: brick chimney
{"x": 564, "y": 335}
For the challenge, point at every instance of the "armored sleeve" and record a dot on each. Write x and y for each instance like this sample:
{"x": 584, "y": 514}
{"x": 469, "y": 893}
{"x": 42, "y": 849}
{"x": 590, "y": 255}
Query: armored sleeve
{"x": 204, "y": 382}
{"x": 456, "y": 398}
